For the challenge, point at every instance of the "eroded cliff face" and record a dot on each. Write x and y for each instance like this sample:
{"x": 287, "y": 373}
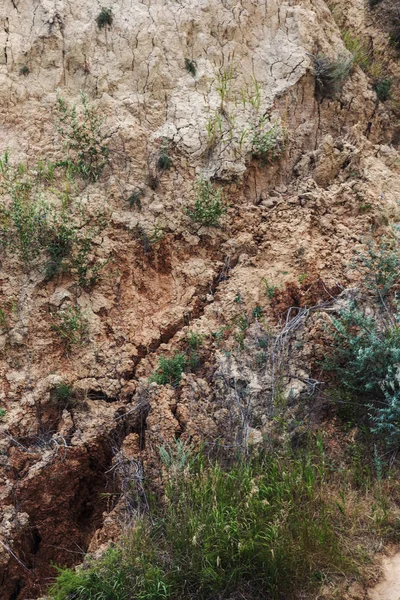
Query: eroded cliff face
{"x": 301, "y": 215}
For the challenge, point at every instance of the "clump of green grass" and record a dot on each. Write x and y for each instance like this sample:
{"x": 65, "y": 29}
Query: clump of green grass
{"x": 2, "y": 412}
{"x": 209, "y": 204}
{"x": 331, "y": 74}
{"x": 170, "y": 370}
{"x": 270, "y": 289}
{"x": 24, "y": 70}
{"x": 104, "y": 18}
{"x": 70, "y": 326}
{"x": 359, "y": 49}
{"x": 259, "y": 527}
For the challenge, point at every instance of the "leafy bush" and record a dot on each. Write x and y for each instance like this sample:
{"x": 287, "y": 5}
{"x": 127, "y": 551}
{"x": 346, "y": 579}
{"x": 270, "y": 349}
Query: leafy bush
{"x": 362, "y": 352}
{"x": 380, "y": 266}
{"x": 383, "y": 88}
{"x": 331, "y": 74}
{"x": 268, "y": 140}
{"x": 2, "y": 412}
{"x": 260, "y": 526}
{"x": 24, "y": 70}
{"x": 104, "y": 18}
{"x": 70, "y": 326}
{"x": 170, "y": 370}
{"x": 365, "y": 357}
{"x": 386, "y": 417}
{"x": 84, "y": 138}
{"x": 209, "y": 206}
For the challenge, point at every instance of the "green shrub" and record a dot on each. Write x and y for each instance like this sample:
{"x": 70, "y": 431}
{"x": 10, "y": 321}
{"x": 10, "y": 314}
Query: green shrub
{"x": 365, "y": 358}
{"x": 380, "y": 266}
{"x": 104, "y": 18}
{"x": 24, "y": 70}
{"x": 362, "y": 352}
{"x": 70, "y": 326}
{"x": 84, "y": 138}
{"x": 383, "y": 88}
{"x": 268, "y": 140}
{"x": 170, "y": 370}
{"x": 191, "y": 66}
{"x": 209, "y": 206}
{"x": 331, "y": 74}
{"x": 2, "y": 412}
{"x": 385, "y": 417}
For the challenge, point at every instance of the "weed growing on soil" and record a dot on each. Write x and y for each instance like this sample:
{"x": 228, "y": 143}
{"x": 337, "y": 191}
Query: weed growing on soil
{"x": 359, "y": 49}
{"x": 104, "y": 18}
{"x": 209, "y": 205}
{"x": 84, "y": 138}
{"x": 260, "y": 525}
{"x": 148, "y": 237}
{"x": 383, "y": 88}
{"x": 70, "y": 326}
{"x": 63, "y": 395}
{"x": 331, "y": 74}
{"x": 269, "y": 289}
{"x": 268, "y": 140}
{"x": 164, "y": 162}
{"x": 24, "y": 70}
{"x": 134, "y": 199}
{"x": 170, "y": 370}
{"x": 191, "y": 66}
